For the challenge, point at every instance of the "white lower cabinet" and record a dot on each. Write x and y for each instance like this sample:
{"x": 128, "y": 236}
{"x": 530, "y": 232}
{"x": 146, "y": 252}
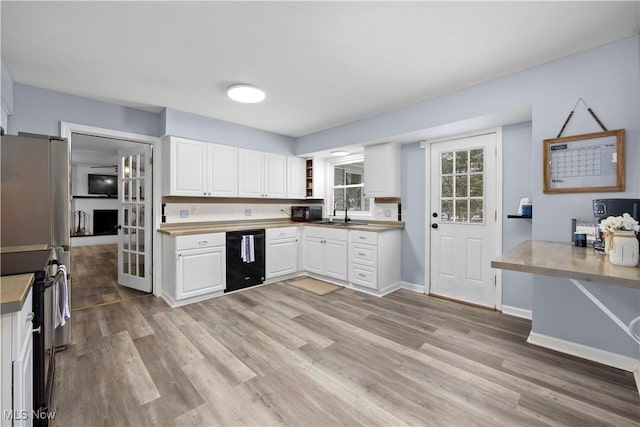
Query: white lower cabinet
{"x": 281, "y": 251}
{"x": 17, "y": 366}
{"x": 374, "y": 260}
{"x": 194, "y": 267}
{"x": 325, "y": 252}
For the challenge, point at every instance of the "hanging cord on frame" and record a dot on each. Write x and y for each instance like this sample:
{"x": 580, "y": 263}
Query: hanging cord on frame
{"x": 566, "y": 122}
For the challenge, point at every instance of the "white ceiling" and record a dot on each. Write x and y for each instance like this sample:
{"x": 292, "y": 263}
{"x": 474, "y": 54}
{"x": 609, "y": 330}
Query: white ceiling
{"x": 321, "y": 63}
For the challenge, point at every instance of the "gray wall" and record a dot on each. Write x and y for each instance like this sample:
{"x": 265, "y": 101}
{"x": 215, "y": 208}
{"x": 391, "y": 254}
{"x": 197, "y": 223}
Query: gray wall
{"x": 551, "y": 90}
{"x": 516, "y": 183}
{"x": 202, "y": 128}
{"x": 413, "y": 213}
{"x": 41, "y": 111}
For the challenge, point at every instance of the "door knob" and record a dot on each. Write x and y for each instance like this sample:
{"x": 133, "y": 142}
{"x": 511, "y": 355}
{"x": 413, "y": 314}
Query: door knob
{"x": 118, "y": 227}
{"x": 434, "y": 226}
{"x": 435, "y": 214}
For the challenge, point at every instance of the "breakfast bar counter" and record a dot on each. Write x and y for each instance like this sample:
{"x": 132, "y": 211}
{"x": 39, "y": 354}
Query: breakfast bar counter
{"x": 566, "y": 260}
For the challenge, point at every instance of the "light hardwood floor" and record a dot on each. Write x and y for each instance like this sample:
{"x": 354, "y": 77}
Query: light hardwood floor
{"x": 277, "y": 355}
{"x": 94, "y": 277}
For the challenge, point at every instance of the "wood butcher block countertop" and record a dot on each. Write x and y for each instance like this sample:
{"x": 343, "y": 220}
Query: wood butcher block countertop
{"x": 14, "y": 291}
{"x": 184, "y": 229}
{"x": 566, "y": 260}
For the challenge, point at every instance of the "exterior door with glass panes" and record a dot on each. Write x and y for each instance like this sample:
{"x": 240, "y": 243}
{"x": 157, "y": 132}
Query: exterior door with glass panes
{"x": 134, "y": 243}
{"x": 462, "y": 218}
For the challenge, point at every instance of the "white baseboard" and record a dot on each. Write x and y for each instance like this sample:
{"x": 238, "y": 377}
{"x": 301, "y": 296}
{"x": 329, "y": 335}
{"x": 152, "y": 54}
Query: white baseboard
{"x": 94, "y": 240}
{"x": 516, "y": 312}
{"x": 412, "y": 287}
{"x": 580, "y": 350}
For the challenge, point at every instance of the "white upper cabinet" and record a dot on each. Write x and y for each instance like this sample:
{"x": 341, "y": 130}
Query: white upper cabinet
{"x": 223, "y": 170}
{"x": 296, "y": 177}
{"x": 382, "y": 170}
{"x": 262, "y": 174}
{"x": 198, "y": 168}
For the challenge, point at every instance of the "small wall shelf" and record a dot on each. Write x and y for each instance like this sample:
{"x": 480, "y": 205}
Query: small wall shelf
{"x": 520, "y": 216}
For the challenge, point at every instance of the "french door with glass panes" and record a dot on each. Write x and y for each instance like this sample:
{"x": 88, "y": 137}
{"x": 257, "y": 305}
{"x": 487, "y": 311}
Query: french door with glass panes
{"x": 462, "y": 217}
{"x": 134, "y": 243}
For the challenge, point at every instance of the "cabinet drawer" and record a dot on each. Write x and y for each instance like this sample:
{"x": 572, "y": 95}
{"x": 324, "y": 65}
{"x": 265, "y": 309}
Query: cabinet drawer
{"x": 364, "y": 254}
{"x": 197, "y": 241}
{"x": 281, "y": 233}
{"x": 363, "y": 275}
{"x": 368, "y": 237}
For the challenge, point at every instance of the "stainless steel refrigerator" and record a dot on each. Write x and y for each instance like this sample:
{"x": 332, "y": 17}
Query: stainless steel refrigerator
{"x": 35, "y": 202}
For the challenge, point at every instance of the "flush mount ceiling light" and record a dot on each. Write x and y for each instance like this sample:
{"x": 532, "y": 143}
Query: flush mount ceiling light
{"x": 247, "y": 94}
{"x": 339, "y": 153}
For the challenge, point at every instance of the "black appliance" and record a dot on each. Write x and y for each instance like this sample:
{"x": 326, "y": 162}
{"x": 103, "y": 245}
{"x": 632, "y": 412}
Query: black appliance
{"x": 103, "y": 184}
{"x": 306, "y": 213}
{"x": 44, "y": 268}
{"x": 604, "y": 208}
{"x": 245, "y": 259}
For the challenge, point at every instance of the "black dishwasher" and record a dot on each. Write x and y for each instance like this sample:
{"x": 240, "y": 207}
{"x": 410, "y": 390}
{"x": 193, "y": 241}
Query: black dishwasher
{"x": 245, "y": 259}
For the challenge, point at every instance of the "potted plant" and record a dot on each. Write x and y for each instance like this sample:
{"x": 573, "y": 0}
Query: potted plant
{"x": 620, "y": 239}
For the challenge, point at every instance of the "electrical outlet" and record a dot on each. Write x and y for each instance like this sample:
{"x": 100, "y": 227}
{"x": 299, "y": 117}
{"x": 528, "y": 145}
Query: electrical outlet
{"x": 184, "y": 213}
{"x": 247, "y": 212}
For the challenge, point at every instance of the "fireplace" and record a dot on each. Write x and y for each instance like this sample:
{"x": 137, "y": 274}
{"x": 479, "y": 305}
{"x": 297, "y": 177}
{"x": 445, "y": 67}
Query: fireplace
{"x": 105, "y": 221}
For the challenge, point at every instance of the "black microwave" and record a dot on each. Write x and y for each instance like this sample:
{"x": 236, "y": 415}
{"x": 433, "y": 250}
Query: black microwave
{"x": 306, "y": 213}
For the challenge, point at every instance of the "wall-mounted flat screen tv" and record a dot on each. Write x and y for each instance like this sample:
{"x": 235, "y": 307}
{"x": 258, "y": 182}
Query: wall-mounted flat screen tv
{"x": 103, "y": 184}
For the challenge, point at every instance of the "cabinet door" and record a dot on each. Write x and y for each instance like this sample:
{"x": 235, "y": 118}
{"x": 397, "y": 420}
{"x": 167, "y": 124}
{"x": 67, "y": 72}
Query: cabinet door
{"x": 23, "y": 384}
{"x": 200, "y": 271}
{"x": 188, "y": 167}
{"x": 275, "y": 177}
{"x": 335, "y": 259}
{"x": 382, "y": 170}
{"x": 314, "y": 255}
{"x": 296, "y": 178}
{"x": 223, "y": 170}
{"x": 251, "y": 173}
{"x": 281, "y": 257}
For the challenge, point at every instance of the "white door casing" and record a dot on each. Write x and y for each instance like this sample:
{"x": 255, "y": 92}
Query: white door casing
{"x": 134, "y": 233}
{"x": 463, "y": 219}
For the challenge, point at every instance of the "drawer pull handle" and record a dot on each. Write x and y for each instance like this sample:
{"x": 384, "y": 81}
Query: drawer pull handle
{"x": 361, "y": 254}
{"x": 362, "y": 238}
{"x": 30, "y": 317}
{"x": 202, "y": 242}
{"x": 37, "y": 330}
{"x": 362, "y": 275}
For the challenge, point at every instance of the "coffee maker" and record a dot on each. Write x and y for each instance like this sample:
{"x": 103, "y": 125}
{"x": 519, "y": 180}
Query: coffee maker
{"x": 604, "y": 208}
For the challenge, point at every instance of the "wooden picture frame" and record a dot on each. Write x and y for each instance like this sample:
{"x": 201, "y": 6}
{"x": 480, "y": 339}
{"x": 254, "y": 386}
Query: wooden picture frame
{"x": 592, "y": 162}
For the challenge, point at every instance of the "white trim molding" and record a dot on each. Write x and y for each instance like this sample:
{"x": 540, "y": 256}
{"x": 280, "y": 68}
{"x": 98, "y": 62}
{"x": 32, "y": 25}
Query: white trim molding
{"x": 516, "y": 312}
{"x": 413, "y": 287}
{"x": 580, "y": 350}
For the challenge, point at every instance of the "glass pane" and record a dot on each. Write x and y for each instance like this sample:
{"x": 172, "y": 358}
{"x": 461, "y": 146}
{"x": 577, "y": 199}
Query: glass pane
{"x": 462, "y": 214}
{"x": 126, "y": 166}
{"x": 125, "y": 220}
{"x": 447, "y": 186}
{"x": 141, "y": 165}
{"x": 141, "y": 216}
{"x": 446, "y": 161}
{"x": 354, "y": 199}
{"x": 477, "y": 210}
{"x": 338, "y": 176}
{"x": 338, "y": 198}
{"x": 134, "y": 239}
{"x": 125, "y": 186}
{"x": 476, "y": 160}
{"x": 136, "y": 190}
{"x": 446, "y": 214}
{"x": 461, "y": 185}
{"x": 141, "y": 265}
{"x": 141, "y": 188}
{"x": 354, "y": 178}
{"x": 125, "y": 262}
{"x": 125, "y": 238}
{"x": 477, "y": 187}
{"x": 134, "y": 165}
{"x": 461, "y": 161}
{"x": 141, "y": 240}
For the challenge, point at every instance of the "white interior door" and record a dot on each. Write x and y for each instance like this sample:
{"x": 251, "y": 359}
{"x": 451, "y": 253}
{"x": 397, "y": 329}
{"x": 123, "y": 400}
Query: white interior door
{"x": 134, "y": 234}
{"x": 463, "y": 219}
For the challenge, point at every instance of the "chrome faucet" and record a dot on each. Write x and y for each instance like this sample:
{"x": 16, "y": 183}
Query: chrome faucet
{"x": 345, "y": 205}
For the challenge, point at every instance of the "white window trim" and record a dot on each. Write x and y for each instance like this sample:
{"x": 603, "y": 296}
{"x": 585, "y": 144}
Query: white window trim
{"x": 331, "y": 185}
